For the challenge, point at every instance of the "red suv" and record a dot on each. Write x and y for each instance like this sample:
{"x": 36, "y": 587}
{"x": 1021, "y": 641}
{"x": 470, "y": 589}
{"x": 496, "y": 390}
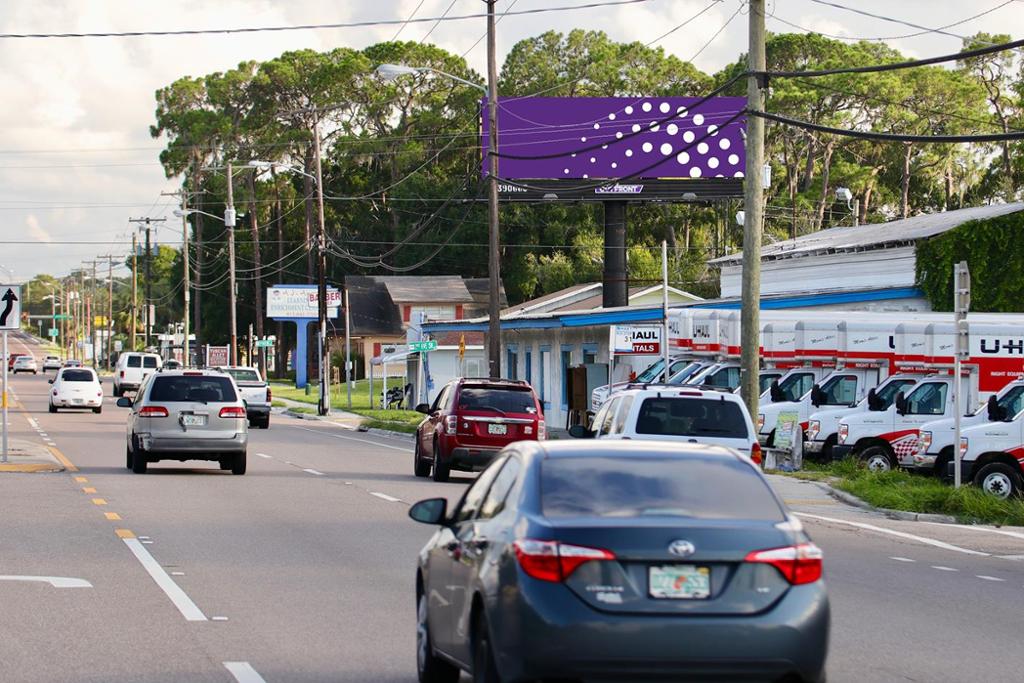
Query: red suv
{"x": 470, "y": 421}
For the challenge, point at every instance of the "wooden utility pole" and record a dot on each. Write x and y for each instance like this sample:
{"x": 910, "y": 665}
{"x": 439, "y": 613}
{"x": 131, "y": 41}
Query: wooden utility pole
{"x": 135, "y": 289}
{"x": 494, "y": 263}
{"x": 229, "y": 224}
{"x": 149, "y": 279}
{"x": 753, "y": 213}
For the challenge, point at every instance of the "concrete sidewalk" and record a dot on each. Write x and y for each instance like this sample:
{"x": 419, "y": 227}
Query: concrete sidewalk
{"x": 30, "y": 456}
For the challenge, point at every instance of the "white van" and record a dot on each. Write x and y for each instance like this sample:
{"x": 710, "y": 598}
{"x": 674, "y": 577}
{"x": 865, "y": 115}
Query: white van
{"x": 132, "y": 368}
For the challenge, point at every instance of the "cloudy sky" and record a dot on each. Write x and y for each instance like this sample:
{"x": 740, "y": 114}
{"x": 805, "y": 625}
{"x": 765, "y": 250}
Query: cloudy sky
{"x": 76, "y": 158}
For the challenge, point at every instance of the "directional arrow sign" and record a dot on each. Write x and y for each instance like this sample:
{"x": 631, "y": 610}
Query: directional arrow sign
{"x": 10, "y": 307}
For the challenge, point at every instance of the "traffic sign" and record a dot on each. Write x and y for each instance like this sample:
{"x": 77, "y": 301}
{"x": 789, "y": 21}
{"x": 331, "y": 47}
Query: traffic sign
{"x": 54, "y": 332}
{"x": 422, "y": 346}
{"x": 264, "y": 343}
{"x": 10, "y": 307}
{"x": 61, "y": 316}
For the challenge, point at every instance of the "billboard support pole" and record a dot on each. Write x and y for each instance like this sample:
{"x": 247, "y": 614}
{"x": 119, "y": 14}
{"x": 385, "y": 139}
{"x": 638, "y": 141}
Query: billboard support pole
{"x": 614, "y": 288}
{"x": 664, "y": 308}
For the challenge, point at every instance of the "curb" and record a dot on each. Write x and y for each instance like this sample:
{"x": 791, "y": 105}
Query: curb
{"x": 388, "y": 432}
{"x": 301, "y": 416}
{"x": 901, "y": 515}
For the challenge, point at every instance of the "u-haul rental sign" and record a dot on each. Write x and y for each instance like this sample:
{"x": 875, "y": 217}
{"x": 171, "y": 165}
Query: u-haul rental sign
{"x": 637, "y": 340}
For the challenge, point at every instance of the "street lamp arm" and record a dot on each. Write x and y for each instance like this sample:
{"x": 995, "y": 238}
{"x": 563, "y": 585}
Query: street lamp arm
{"x": 180, "y": 213}
{"x": 392, "y": 71}
{"x": 265, "y": 165}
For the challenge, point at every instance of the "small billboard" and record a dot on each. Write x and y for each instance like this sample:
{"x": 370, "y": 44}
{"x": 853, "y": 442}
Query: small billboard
{"x": 637, "y": 340}
{"x": 300, "y": 301}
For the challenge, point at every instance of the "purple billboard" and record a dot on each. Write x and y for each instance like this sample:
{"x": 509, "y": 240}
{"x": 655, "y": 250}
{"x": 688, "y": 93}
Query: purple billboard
{"x": 619, "y": 137}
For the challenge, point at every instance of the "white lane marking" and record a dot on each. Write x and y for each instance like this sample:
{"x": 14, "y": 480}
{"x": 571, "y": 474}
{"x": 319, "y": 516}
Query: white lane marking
{"x": 265, "y": 456}
{"x": 384, "y": 496}
{"x": 55, "y": 581}
{"x": 902, "y": 559}
{"x": 218, "y": 618}
{"x": 177, "y": 573}
{"x": 188, "y": 609}
{"x": 243, "y": 672}
{"x": 309, "y": 471}
{"x": 971, "y": 527}
{"x": 944, "y": 569}
{"x": 989, "y": 578}
{"x": 352, "y": 438}
{"x": 893, "y": 532}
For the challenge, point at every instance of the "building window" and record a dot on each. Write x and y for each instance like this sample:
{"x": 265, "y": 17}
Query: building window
{"x": 589, "y": 353}
{"x": 566, "y": 363}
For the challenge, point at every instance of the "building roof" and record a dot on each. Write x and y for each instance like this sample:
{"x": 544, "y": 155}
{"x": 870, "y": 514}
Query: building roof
{"x": 582, "y": 297}
{"x": 371, "y": 309}
{"x": 875, "y": 235}
{"x": 480, "y": 289}
{"x": 424, "y": 289}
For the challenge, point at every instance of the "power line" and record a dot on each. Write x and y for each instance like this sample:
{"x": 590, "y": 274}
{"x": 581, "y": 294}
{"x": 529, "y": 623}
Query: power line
{"x": 438, "y": 22}
{"x": 890, "y": 137}
{"x": 309, "y": 27}
{"x": 885, "y": 18}
{"x": 716, "y": 34}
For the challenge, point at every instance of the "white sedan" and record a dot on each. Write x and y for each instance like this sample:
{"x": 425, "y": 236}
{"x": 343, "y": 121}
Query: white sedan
{"x": 76, "y": 388}
{"x": 25, "y": 364}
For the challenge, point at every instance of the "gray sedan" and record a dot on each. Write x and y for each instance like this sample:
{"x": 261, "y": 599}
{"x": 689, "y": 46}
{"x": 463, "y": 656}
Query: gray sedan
{"x": 187, "y": 415}
{"x": 619, "y": 561}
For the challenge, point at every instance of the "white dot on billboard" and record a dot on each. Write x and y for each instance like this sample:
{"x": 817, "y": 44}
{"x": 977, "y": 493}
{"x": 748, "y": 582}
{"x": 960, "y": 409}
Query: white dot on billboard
{"x": 702, "y": 148}
{"x": 629, "y": 110}
{"x": 611, "y": 117}
{"x": 654, "y": 126}
{"x": 713, "y": 162}
{"x": 724, "y": 143}
{"x": 629, "y": 152}
{"x": 683, "y": 158}
{"x": 636, "y": 128}
{"x": 604, "y": 146}
{"x": 695, "y": 172}
{"x": 666, "y": 149}
{"x": 646, "y": 106}
{"x": 565, "y": 171}
{"x": 585, "y": 175}
{"x": 619, "y": 135}
{"x": 688, "y": 136}
{"x": 713, "y": 129}
{"x": 734, "y": 159}
{"x": 737, "y": 174}
{"x": 671, "y": 129}
{"x": 614, "y": 165}
{"x": 583, "y": 139}
{"x": 698, "y": 119}
{"x": 664, "y": 107}
{"x": 681, "y": 111}
{"x": 597, "y": 126}
{"x": 647, "y": 147}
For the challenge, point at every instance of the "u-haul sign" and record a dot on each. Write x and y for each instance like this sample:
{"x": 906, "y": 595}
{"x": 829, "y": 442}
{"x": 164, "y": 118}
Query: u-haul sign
{"x": 637, "y": 340}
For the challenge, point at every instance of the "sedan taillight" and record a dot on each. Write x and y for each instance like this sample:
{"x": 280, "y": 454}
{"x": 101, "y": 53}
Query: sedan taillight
{"x": 153, "y": 411}
{"x": 554, "y": 561}
{"x": 798, "y": 564}
{"x": 232, "y": 411}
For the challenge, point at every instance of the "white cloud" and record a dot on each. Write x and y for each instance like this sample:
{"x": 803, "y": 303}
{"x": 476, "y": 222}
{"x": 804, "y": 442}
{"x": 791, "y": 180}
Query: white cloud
{"x": 36, "y": 231}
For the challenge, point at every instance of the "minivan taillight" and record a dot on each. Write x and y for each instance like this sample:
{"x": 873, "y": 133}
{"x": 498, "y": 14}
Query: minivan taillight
{"x": 798, "y": 564}
{"x": 153, "y": 411}
{"x": 450, "y": 424}
{"x": 232, "y": 411}
{"x": 554, "y": 561}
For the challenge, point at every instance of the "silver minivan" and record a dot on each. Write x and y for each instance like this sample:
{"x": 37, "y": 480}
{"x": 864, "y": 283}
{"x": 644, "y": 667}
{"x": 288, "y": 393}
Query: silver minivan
{"x": 187, "y": 415}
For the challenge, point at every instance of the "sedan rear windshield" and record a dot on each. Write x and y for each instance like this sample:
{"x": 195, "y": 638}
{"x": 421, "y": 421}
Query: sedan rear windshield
{"x": 499, "y": 399}
{"x": 77, "y": 376}
{"x": 193, "y": 389}
{"x": 633, "y": 486}
{"x": 243, "y": 375}
{"x": 684, "y": 416}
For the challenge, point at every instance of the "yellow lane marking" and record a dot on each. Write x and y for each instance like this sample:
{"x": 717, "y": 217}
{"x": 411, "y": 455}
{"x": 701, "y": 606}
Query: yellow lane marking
{"x": 29, "y": 467}
{"x": 81, "y": 480}
{"x": 88, "y": 489}
{"x": 70, "y": 466}
{"x": 112, "y": 516}
{"x": 124, "y": 533}
{"x": 99, "y": 501}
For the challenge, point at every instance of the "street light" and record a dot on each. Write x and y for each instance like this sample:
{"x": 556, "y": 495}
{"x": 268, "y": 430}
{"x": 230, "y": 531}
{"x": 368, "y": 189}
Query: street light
{"x": 324, "y": 404}
{"x": 843, "y": 194}
{"x": 390, "y": 72}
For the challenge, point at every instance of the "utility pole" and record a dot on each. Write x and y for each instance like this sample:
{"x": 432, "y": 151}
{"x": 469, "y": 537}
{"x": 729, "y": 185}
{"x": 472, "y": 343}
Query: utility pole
{"x": 750, "y": 325}
{"x": 186, "y": 267}
{"x": 324, "y": 407}
{"x": 229, "y": 223}
{"x": 109, "y": 326}
{"x": 494, "y": 264}
{"x": 149, "y": 279}
{"x": 135, "y": 289}
{"x": 82, "y": 313}
{"x": 93, "y": 304}
{"x": 348, "y": 350}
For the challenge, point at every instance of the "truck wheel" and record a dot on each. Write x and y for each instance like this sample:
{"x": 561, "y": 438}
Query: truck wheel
{"x": 999, "y": 479}
{"x": 440, "y": 471}
{"x": 420, "y": 467}
{"x": 238, "y": 466}
{"x": 265, "y": 423}
{"x": 877, "y": 459}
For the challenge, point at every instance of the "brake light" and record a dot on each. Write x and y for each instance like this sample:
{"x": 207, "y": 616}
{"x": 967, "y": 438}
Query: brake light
{"x": 554, "y": 561}
{"x": 122, "y": 374}
{"x": 270, "y": 396}
{"x": 192, "y": 374}
{"x": 844, "y": 431}
{"x": 542, "y": 430}
{"x": 153, "y": 411}
{"x": 755, "y": 453}
{"x": 450, "y": 424}
{"x": 798, "y": 564}
{"x": 232, "y": 411}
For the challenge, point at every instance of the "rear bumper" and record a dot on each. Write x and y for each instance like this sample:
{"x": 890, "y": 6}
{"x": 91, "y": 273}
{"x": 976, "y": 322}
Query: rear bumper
{"x": 552, "y": 634}
{"x": 86, "y": 403}
{"x": 841, "y": 451}
{"x": 198, "y": 448}
{"x": 814, "y": 446}
{"x": 471, "y": 458}
{"x": 252, "y": 411}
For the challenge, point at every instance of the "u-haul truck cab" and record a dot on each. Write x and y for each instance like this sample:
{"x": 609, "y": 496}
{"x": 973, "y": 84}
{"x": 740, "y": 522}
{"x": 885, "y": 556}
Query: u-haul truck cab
{"x": 814, "y": 357}
{"x": 718, "y": 339}
{"x": 863, "y": 346}
{"x": 884, "y": 439}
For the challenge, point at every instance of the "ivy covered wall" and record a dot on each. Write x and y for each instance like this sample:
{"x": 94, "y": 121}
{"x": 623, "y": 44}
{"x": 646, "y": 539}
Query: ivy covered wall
{"x": 994, "y": 251}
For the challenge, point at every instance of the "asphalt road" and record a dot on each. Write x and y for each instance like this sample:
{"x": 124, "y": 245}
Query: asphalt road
{"x": 302, "y": 570}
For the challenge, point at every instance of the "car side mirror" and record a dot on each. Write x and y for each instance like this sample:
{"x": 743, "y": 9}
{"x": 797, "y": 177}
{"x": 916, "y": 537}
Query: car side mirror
{"x": 874, "y": 403}
{"x": 775, "y": 391}
{"x": 996, "y": 413}
{"x": 580, "y": 432}
{"x": 430, "y": 511}
{"x": 124, "y": 402}
{"x": 817, "y": 396}
{"x": 901, "y": 403}
{"x": 423, "y": 408}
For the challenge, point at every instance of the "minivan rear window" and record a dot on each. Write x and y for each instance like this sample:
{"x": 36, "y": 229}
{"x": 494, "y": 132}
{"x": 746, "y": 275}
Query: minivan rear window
{"x": 684, "y": 416}
{"x": 641, "y": 486}
{"x": 193, "y": 389}
{"x": 148, "y": 362}
{"x": 498, "y": 399}
{"x": 135, "y": 361}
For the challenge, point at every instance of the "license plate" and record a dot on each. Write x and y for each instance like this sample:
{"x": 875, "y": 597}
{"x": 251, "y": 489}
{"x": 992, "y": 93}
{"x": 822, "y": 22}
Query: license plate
{"x": 193, "y": 420}
{"x": 679, "y": 582}
{"x": 497, "y": 429}
{"x": 76, "y": 400}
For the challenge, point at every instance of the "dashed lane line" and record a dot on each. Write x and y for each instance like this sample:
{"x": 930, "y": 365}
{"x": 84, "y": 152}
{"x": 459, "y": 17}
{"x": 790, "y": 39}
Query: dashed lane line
{"x": 312, "y": 471}
{"x": 384, "y": 496}
{"x": 986, "y": 577}
{"x": 902, "y": 559}
{"x": 944, "y": 569}
{"x": 892, "y": 532}
{"x": 178, "y": 597}
{"x": 243, "y": 672}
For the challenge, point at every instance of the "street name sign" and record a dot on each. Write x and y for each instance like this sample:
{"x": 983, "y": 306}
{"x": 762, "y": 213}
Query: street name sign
{"x": 423, "y": 345}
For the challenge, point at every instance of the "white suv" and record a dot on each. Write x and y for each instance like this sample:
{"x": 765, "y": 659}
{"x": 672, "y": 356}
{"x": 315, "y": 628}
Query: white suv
{"x": 132, "y": 368}
{"x": 684, "y": 414}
